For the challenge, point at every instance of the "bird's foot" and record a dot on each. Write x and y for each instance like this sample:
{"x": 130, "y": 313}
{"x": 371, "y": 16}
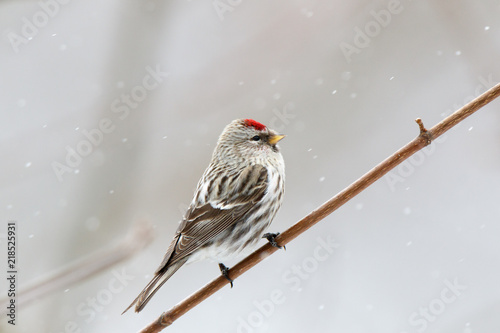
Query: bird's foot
{"x": 272, "y": 240}
{"x": 225, "y": 273}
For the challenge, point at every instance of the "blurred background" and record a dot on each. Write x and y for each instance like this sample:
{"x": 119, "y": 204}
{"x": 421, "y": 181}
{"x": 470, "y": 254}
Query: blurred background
{"x": 110, "y": 112}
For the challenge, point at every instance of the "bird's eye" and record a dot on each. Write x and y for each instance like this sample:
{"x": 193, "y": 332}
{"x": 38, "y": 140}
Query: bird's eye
{"x": 256, "y": 138}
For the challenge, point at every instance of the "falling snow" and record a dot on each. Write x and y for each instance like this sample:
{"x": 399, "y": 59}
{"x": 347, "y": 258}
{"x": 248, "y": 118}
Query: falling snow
{"x": 346, "y": 76}
{"x": 307, "y": 13}
{"x": 317, "y": 119}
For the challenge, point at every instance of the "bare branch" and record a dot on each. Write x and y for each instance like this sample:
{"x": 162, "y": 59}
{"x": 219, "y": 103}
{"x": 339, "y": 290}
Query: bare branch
{"x": 425, "y": 138}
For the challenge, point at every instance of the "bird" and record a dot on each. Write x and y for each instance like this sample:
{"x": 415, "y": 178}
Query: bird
{"x": 235, "y": 201}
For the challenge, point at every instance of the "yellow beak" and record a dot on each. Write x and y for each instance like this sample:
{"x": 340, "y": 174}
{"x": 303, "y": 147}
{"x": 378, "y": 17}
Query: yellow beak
{"x": 276, "y": 138}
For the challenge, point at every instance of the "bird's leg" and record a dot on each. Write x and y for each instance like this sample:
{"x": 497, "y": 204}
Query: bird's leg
{"x": 225, "y": 273}
{"x": 272, "y": 240}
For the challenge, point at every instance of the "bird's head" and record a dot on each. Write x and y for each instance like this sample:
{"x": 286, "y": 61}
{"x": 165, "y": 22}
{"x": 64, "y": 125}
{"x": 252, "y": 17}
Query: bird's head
{"x": 248, "y": 138}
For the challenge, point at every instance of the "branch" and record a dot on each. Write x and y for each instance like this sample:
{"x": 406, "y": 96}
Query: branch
{"x": 139, "y": 236}
{"x": 423, "y": 139}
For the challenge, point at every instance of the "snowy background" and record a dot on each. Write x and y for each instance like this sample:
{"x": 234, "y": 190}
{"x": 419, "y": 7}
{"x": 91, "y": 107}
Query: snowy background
{"x": 418, "y": 251}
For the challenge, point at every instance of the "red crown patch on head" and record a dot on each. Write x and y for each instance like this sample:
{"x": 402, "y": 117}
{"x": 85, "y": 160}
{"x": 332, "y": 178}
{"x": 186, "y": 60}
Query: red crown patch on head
{"x": 255, "y": 124}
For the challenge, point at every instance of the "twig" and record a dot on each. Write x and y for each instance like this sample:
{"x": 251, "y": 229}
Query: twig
{"x": 140, "y": 236}
{"x": 425, "y": 138}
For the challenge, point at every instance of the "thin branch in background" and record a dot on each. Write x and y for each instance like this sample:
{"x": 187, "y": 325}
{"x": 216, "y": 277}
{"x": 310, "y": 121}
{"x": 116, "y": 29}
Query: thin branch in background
{"x": 425, "y": 138}
{"x": 140, "y": 236}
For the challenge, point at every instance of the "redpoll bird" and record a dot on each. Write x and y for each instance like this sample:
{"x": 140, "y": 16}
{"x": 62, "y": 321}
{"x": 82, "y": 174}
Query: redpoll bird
{"x": 235, "y": 201}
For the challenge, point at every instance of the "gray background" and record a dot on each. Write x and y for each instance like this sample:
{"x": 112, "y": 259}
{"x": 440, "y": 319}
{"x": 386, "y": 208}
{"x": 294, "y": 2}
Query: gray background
{"x": 398, "y": 246}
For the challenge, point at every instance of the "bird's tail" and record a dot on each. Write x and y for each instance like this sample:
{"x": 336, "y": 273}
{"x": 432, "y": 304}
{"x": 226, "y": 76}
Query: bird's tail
{"x": 158, "y": 280}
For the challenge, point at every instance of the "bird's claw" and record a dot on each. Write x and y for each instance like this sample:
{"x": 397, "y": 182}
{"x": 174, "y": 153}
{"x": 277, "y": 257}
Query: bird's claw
{"x": 271, "y": 237}
{"x": 225, "y": 273}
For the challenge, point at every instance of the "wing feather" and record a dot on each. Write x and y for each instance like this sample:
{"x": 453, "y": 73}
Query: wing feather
{"x": 204, "y": 222}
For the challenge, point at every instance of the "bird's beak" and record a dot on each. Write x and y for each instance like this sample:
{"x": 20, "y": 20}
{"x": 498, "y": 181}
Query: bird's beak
{"x": 276, "y": 138}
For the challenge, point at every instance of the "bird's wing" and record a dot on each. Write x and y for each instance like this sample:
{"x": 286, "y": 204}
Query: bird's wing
{"x": 204, "y": 222}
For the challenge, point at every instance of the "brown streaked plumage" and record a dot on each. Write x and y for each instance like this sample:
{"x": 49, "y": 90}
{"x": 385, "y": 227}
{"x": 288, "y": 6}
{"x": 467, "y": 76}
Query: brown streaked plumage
{"x": 235, "y": 201}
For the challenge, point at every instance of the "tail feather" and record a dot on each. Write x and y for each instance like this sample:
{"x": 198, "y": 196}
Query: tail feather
{"x": 154, "y": 285}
